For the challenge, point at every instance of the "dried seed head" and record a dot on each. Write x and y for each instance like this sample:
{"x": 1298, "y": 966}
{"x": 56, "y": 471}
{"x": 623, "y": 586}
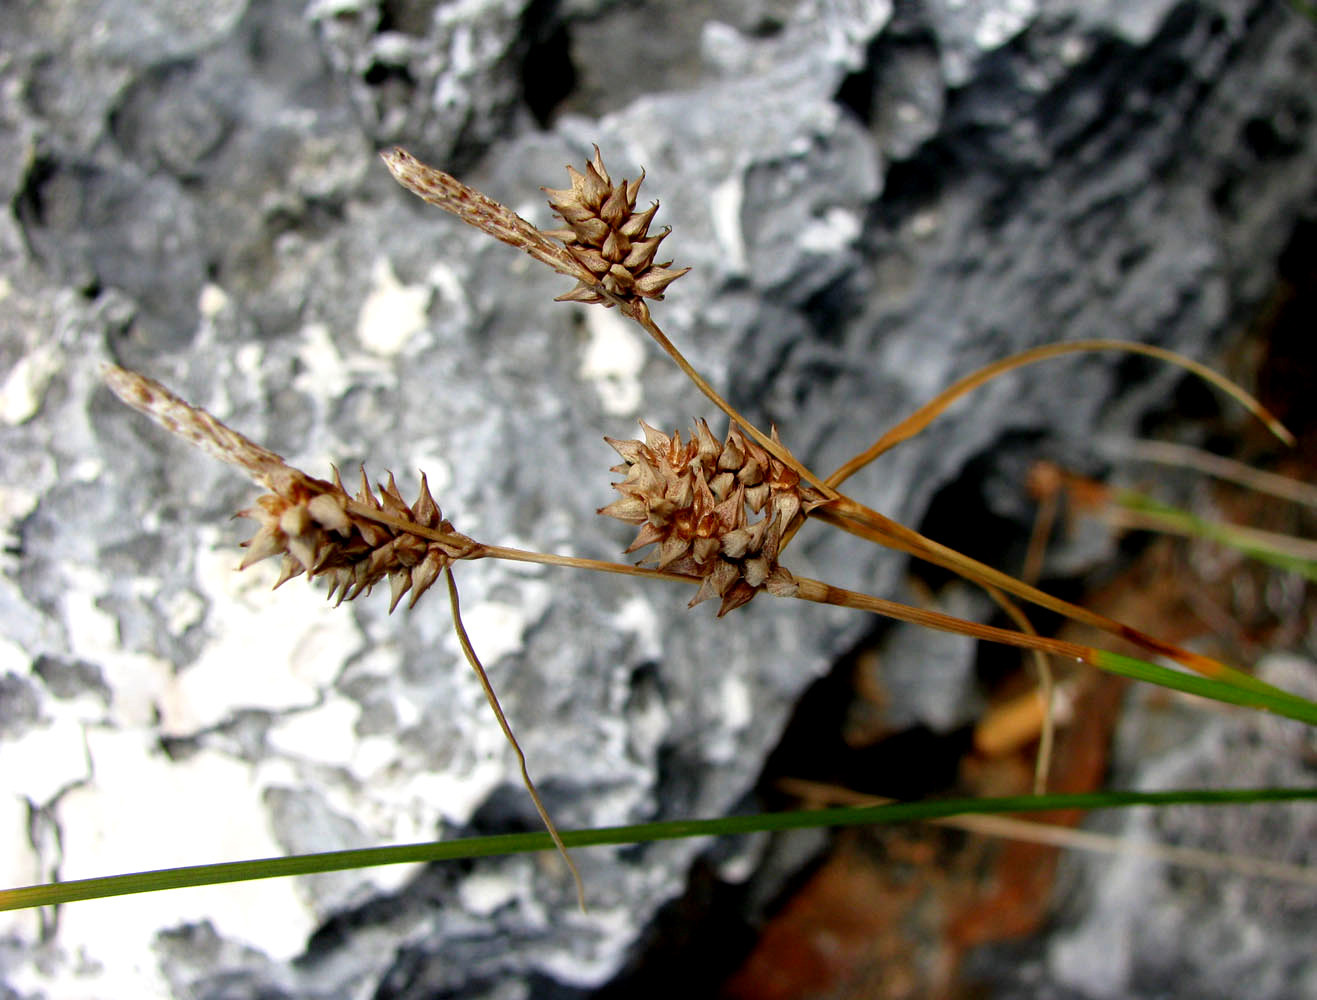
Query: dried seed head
{"x": 690, "y": 499}
{"x": 317, "y": 528}
{"x": 607, "y": 236}
{"x": 317, "y": 531}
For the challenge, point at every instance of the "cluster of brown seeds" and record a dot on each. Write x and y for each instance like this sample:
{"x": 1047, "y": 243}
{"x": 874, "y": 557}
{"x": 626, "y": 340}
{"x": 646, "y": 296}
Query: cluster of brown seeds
{"x": 317, "y": 533}
{"x": 317, "y": 528}
{"x": 691, "y": 498}
{"x": 609, "y": 237}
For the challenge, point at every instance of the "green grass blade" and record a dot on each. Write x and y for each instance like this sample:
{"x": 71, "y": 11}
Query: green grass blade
{"x": 1265, "y": 548}
{"x": 1305, "y": 7}
{"x": 520, "y": 843}
{"x": 1263, "y": 696}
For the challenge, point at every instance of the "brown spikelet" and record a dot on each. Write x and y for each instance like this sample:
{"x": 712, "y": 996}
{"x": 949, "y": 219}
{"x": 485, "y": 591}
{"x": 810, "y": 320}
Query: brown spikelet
{"x": 479, "y": 210}
{"x": 199, "y": 427}
{"x": 313, "y": 524}
{"x": 317, "y": 531}
{"x": 691, "y": 498}
{"x": 606, "y": 235}
{"x": 606, "y": 245}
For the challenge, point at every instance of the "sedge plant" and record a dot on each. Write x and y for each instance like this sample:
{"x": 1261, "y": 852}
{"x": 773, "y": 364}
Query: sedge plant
{"x": 716, "y": 514}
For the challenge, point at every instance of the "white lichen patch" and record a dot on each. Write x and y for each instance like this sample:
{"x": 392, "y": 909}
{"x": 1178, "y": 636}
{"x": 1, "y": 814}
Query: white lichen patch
{"x": 731, "y": 700}
{"x": 136, "y": 681}
{"x": 183, "y": 609}
{"x": 613, "y": 359}
{"x": 734, "y": 700}
{"x": 91, "y": 631}
{"x": 14, "y": 659}
{"x": 498, "y": 629}
{"x": 454, "y": 796}
{"x": 834, "y": 232}
{"x": 326, "y": 372}
{"x": 324, "y": 734}
{"x": 484, "y": 893}
{"x": 43, "y": 761}
{"x": 144, "y": 811}
{"x": 999, "y": 23}
{"x": 455, "y": 311}
{"x": 637, "y": 616}
{"x": 267, "y": 650}
{"x": 25, "y": 386}
{"x": 212, "y": 301}
{"x": 725, "y": 215}
{"x": 393, "y": 313}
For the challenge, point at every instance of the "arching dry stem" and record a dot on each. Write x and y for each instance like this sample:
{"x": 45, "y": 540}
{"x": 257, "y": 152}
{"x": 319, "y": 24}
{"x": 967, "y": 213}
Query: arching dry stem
{"x": 469, "y": 652}
{"x": 927, "y": 413}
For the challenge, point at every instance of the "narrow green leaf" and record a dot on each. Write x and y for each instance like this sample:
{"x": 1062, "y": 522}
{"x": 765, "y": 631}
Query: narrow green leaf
{"x": 1254, "y": 544}
{"x": 1262, "y": 696}
{"x": 901, "y": 812}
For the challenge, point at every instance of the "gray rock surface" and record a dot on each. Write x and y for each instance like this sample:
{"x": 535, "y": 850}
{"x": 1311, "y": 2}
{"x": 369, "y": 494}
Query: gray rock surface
{"x": 876, "y": 198}
{"x": 1135, "y": 926}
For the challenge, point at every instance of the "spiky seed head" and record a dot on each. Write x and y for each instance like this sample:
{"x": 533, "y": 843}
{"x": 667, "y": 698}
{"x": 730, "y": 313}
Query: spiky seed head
{"x": 690, "y": 499}
{"x": 607, "y": 236}
{"x": 318, "y": 533}
{"x": 310, "y": 522}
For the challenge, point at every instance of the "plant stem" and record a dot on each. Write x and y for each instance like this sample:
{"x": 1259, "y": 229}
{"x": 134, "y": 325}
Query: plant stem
{"x": 518, "y": 843}
{"x": 927, "y": 413}
{"x": 575, "y": 562}
{"x": 469, "y": 651}
{"x": 866, "y": 523}
{"x": 1056, "y": 835}
{"x": 640, "y": 313}
{"x": 1218, "y": 466}
{"x": 1261, "y": 696}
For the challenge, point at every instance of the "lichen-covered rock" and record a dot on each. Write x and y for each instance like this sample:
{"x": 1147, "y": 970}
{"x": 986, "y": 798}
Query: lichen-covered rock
{"x": 874, "y": 199}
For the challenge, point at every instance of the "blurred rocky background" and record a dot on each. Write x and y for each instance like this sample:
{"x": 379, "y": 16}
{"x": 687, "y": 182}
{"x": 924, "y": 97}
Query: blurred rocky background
{"x": 876, "y": 198}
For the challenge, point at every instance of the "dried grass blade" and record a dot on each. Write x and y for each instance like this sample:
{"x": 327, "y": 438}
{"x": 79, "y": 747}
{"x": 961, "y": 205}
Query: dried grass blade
{"x": 865, "y": 523}
{"x": 1217, "y": 466}
{"x": 927, "y": 413}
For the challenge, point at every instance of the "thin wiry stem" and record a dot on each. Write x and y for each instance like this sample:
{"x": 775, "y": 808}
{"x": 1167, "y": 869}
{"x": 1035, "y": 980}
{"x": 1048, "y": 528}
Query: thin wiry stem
{"x": 469, "y": 651}
{"x": 640, "y": 313}
{"x": 927, "y": 413}
{"x": 575, "y": 562}
{"x": 1217, "y": 466}
{"x": 860, "y": 520}
{"x": 1255, "y": 695}
{"x": 1047, "y": 685}
{"x": 824, "y": 593}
